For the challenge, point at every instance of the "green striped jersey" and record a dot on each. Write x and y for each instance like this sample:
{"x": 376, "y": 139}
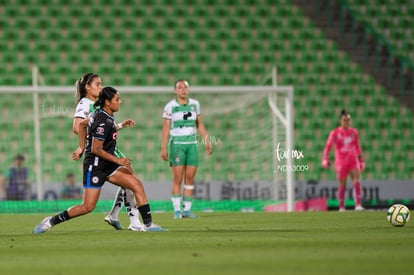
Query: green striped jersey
{"x": 183, "y": 129}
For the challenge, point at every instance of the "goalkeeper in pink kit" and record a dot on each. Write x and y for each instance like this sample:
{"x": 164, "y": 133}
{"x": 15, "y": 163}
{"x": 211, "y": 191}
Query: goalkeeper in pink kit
{"x": 348, "y": 159}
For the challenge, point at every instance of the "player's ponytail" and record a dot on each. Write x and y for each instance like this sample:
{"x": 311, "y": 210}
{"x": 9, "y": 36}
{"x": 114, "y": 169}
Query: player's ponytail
{"x": 107, "y": 93}
{"x": 81, "y": 83}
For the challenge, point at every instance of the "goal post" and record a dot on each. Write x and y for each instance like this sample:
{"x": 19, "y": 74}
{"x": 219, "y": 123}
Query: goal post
{"x": 246, "y": 125}
{"x": 281, "y": 104}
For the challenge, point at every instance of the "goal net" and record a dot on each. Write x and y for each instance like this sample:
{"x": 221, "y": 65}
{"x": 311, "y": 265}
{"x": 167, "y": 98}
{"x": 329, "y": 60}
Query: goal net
{"x": 247, "y": 126}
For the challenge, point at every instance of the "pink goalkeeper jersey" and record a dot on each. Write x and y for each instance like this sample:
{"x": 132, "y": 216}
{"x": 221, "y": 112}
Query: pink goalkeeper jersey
{"x": 347, "y": 148}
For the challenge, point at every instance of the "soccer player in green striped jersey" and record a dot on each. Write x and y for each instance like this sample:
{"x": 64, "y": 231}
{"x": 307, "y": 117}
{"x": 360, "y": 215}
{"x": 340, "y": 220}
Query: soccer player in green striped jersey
{"x": 182, "y": 123}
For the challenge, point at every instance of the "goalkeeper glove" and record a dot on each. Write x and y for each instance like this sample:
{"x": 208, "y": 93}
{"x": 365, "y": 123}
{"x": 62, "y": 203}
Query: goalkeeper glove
{"x": 325, "y": 163}
{"x": 361, "y": 164}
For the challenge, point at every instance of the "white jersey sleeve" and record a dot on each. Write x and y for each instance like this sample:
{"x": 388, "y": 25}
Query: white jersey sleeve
{"x": 168, "y": 110}
{"x": 198, "y": 109}
{"x": 84, "y": 108}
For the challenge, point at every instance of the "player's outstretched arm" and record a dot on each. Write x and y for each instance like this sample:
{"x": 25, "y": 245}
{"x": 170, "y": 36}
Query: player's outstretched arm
{"x": 125, "y": 123}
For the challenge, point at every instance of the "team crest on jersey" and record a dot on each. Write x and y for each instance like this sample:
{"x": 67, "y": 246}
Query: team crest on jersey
{"x": 95, "y": 179}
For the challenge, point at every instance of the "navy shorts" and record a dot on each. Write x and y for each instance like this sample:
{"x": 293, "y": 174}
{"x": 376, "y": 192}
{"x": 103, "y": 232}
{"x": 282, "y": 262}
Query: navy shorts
{"x": 97, "y": 171}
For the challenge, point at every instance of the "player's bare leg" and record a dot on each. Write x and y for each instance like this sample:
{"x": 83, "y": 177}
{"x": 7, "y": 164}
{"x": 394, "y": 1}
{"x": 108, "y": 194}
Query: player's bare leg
{"x": 125, "y": 178}
{"x": 90, "y": 198}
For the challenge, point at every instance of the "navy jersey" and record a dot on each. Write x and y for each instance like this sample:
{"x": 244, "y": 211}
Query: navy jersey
{"x": 101, "y": 126}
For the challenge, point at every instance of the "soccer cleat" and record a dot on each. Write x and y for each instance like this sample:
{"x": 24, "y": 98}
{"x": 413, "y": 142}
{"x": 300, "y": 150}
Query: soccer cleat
{"x": 154, "y": 228}
{"x": 177, "y": 214}
{"x": 114, "y": 223}
{"x": 342, "y": 209}
{"x": 137, "y": 227}
{"x": 359, "y": 208}
{"x": 43, "y": 226}
{"x": 189, "y": 215}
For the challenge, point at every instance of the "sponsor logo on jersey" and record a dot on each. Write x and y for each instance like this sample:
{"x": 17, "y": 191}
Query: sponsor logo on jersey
{"x": 114, "y": 135}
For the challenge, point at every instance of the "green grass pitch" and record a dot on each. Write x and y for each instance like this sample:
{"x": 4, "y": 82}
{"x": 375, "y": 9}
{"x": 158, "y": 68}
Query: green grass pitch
{"x": 217, "y": 243}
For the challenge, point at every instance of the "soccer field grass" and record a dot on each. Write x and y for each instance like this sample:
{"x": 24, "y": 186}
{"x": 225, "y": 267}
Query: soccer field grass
{"x": 216, "y": 243}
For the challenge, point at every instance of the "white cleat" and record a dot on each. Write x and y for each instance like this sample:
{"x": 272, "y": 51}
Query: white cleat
{"x": 136, "y": 227}
{"x": 114, "y": 223}
{"x": 359, "y": 208}
{"x": 43, "y": 226}
{"x": 154, "y": 228}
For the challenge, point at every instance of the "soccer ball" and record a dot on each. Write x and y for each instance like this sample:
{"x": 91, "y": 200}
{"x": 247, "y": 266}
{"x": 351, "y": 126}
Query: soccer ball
{"x": 398, "y": 214}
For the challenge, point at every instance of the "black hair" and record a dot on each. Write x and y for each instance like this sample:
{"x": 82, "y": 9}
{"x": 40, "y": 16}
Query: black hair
{"x": 81, "y": 83}
{"x": 179, "y": 80}
{"x": 20, "y": 157}
{"x": 344, "y": 113}
{"x": 107, "y": 93}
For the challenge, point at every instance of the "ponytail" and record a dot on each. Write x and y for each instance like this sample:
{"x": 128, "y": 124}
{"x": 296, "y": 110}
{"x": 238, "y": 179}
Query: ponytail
{"x": 81, "y": 83}
{"x": 107, "y": 93}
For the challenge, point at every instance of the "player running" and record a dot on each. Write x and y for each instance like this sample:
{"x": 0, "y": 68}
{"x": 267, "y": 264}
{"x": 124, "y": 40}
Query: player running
{"x": 88, "y": 88}
{"x": 100, "y": 164}
{"x": 348, "y": 159}
{"x": 181, "y": 121}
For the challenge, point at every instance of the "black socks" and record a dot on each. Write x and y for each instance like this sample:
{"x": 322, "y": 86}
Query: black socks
{"x": 61, "y": 217}
{"x": 145, "y": 212}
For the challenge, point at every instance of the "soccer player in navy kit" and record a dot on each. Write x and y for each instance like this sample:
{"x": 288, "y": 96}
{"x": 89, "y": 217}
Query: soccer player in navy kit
{"x": 100, "y": 165}
{"x": 88, "y": 88}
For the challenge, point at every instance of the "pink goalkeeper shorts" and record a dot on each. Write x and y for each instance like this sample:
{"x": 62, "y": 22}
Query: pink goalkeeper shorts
{"x": 342, "y": 169}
